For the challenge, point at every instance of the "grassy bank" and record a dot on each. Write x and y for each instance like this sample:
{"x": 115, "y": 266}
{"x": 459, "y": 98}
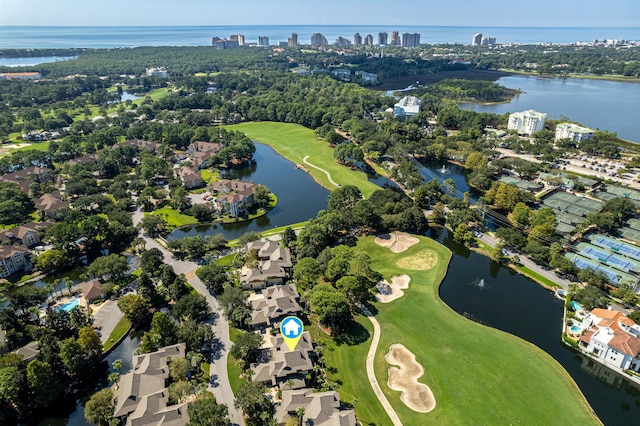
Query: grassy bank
{"x": 478, "y": 374}
{"x": 607, "y": 77}
{"x": 122, "y": 328}
{"x": 295, "y": 142}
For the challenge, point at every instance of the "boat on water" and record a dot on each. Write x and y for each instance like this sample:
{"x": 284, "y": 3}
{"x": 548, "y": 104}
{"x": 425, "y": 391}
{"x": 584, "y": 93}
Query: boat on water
{"x": 561, "y": 293}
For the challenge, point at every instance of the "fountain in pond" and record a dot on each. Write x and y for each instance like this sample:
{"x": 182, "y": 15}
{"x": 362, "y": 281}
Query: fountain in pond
{"x": 444, "y": 170}
{"x": 479, "y": 283}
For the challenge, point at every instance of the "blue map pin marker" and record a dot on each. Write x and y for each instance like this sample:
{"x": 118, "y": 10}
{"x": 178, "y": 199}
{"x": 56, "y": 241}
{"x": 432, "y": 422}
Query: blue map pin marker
{"x": 291, "y": 329}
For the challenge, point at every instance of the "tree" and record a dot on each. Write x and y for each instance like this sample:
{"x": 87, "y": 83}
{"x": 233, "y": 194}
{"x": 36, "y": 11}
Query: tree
{"x": 198, "y": 337}
{"x": 192, "y": 306}
{"x": 195, "y": 247}
{"x": 153, "y": 225}
{"x": 151, "y": 261}
{"x": 205, "y": 411}
{"x": 213, "y": 276}
{"x": 412, "y": 220}
{"x": 307, "y": 270}
{"x": 337, "y": 268}
{"x": 261, "y": 195}
{"x": 589, "y": 297}
{"x": 475, "y": 160}
{"x": 134, "y": 307}
{"x": 99, "y": 408}
{"x": 51, "y": 261}
{"x": 233, "y": 301}
{"x": 114, "y": 267}
{"x": 462, "y": 234}
{"x": 626, "y": 294}
{"x": 179, "y": 369}
{"x": 288, "y": 237}
{"x": 43, "y": 383}
{"x": 10, "y": 384}
{"x": 252, "y": 399}
{"x": 331, "y": 307}
{"x": 247, "y": 348}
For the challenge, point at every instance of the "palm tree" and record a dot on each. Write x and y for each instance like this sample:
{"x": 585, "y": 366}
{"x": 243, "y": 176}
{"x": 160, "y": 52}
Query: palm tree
{"x": 68, "y": 283}
{"x": 300, "y": 414}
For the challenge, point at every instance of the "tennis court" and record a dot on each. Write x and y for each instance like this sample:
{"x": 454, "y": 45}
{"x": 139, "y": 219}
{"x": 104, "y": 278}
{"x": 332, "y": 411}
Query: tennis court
{"x": 616, "y": 246}
{"x": 630, "y": 234}
{"x": 616, "y": 277}
{"x": 634, "y": 224}
{"x": 608, "y": 258}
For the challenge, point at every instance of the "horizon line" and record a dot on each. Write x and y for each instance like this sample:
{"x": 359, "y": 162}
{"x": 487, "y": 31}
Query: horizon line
{"x": 311, "y": 25}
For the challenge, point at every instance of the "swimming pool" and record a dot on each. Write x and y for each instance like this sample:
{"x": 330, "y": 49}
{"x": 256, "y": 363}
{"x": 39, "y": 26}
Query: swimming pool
{"x": 575, "y": 329}
{"x": 576, "y": 306}
{"x": 68, "y": 306}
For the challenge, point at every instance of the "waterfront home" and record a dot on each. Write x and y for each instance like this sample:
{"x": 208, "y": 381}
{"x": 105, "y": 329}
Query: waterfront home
{"x": 612, "y": 338}
{"x": 141, "y": 396}
{"x": 201, "y": 151}
{"x": 92, "y": 290}
{"x": 190, "y": 177}
{"x": 235, "y": 196}
{"x": 13, "y": 259}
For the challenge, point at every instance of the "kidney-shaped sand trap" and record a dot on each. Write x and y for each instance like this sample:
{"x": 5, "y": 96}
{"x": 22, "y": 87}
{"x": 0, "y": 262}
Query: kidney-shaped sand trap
{"x": 415, "y": 395}
{"x": 422, "y": 261}
{"x": 397, "y": 242}
{"x": 390, "y": 292}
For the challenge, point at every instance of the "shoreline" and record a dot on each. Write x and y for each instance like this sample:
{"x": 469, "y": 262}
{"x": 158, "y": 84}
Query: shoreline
{"x": 606, "y": 77}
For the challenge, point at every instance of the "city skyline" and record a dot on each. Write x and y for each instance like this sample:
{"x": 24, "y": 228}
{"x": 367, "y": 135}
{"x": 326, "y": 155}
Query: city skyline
{"x": 548, "y": 13}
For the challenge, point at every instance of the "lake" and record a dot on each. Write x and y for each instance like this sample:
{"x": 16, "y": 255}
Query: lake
{"x": 36, "y": 60}
{"x": 598, "y": 104}
{"x": 299, "y": 196}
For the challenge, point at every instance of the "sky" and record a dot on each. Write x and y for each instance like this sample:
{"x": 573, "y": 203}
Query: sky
{"x": 502, "y": 13}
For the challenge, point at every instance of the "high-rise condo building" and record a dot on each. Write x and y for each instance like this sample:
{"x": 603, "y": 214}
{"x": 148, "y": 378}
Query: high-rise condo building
{"x": 410, "y": 40}
{"x": 382, "y": 38}
{"x": 526, "y": 122}
{"x": 318, "y": 39}
{"x": 368, "y": 40}
{"x": 293, "y": 40}
{"x": 238, "y": 38}
{"x": 573, "y": 131}
{"x": 342, "y": 42}
{"x": 477, "y": 39}
{"x": 395, "y": 39}
{"x": 357, "y": 39}
{"x": 263, "y": 41}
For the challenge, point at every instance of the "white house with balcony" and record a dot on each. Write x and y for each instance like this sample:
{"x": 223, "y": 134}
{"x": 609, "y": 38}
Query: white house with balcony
{"x": 612, "y": 338}
{"x": 527, "y": 122}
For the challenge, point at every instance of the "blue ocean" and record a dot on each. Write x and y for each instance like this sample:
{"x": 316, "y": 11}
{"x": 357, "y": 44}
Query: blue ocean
{"x": 26, "y": 37}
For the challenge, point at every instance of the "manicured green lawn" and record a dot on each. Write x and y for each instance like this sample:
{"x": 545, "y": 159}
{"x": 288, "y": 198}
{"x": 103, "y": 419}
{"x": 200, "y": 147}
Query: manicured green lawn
{"x": 233, "y": 367}
{"x": 174, "y": 218}
{"x": 295, "y": 142}
{"x": 478, "y": 375}
{"x": 121, "y": 329}
{"x": 537, "y": 277}
{"x": 348, "y": 359}
{"x": 209, "y": 175}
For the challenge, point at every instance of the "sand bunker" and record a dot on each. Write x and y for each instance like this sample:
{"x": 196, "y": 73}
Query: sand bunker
{"x": 421, "y": 261}
{"x": 397, "y": 242}
{"x": 415, "y": 395}
{"x": 390, "y": 292}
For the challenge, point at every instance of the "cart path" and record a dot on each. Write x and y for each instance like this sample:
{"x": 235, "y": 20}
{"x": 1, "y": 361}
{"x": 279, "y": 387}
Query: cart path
{"x": 371, "y": 374}
{"x": 321, "y": 169}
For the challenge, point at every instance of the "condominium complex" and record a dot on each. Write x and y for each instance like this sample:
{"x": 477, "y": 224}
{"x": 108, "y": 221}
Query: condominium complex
{"x": 395, "y": 39}
{"x": 368, "y": 40}
{"x": 342, "y": 42}
{"x": 410, "y": 40}
{"x": 526, "y": 122}
{"x": 238, "y": 38}
{"x": 357, "y": 39}
{"x": 318, "y": 39}
{"x": 573, "y": 131}
{"x": 477, "y": 39}
{"x": 263, "y": 41}
{"x": 157, "y": 72}
{"x": 293, "y": 40}
{"x": 223, "y": 43}
{"x": 382, "y": 38}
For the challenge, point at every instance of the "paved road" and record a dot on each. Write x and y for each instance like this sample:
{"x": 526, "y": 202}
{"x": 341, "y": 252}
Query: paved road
{"x": 370, "y": 372}
{"x": 219, "y": 384}
{"x": 321, "y": 169}
{"x": 491, "y": 241}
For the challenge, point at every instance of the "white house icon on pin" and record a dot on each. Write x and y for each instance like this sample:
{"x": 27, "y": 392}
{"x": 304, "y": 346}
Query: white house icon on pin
{"x": 291, "y": 328}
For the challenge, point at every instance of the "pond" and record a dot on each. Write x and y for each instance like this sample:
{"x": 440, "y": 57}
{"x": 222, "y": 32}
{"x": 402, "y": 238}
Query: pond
{"x": 123, "y": 351}
{"x": 497, "y": 296}
{"x": 299, "y": 196}
{"x": 599, "y": 104}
